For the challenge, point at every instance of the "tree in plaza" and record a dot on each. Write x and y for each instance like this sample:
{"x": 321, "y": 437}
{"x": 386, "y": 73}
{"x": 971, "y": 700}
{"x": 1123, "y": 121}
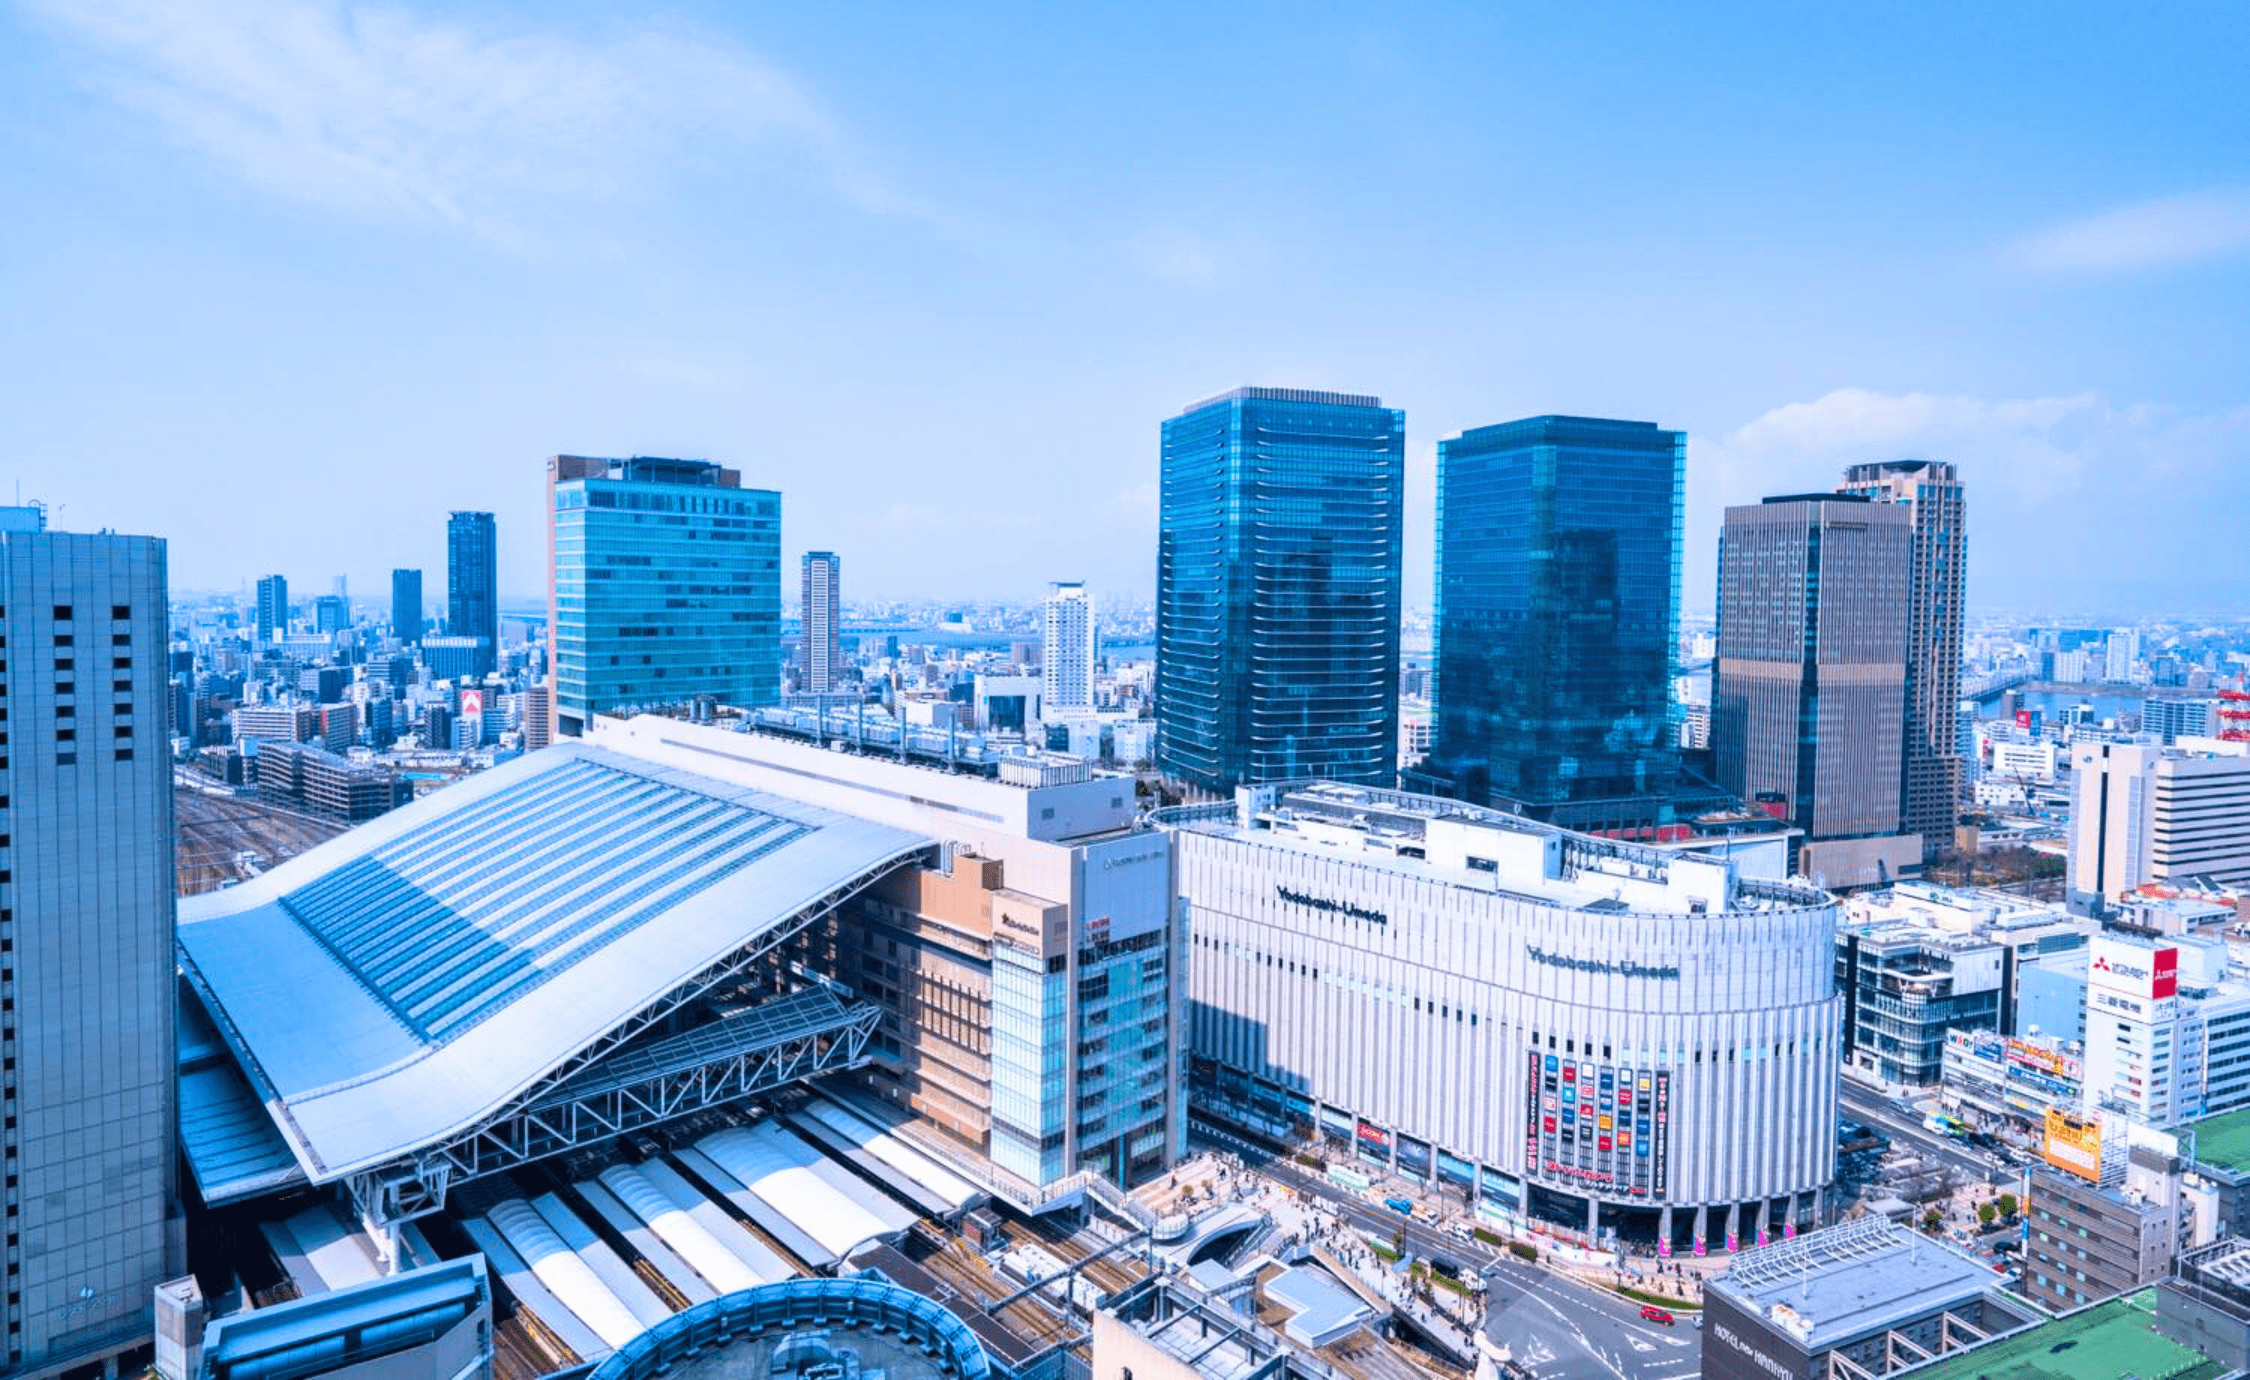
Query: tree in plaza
{"x": 2008, "y": 1205}
{"x": 1987, "y": 1213}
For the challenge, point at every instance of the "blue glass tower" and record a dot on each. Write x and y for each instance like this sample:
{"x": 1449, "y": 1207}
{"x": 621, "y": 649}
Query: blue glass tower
{"x": 1277, "y": 589}
{"x": 472, "y": 584}
{"x": 665, "y": 584}
{"x": 1558, "y": 605}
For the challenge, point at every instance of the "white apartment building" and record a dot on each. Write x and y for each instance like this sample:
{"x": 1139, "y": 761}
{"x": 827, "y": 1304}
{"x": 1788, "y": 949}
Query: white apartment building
{"x": 1066, "y": 665}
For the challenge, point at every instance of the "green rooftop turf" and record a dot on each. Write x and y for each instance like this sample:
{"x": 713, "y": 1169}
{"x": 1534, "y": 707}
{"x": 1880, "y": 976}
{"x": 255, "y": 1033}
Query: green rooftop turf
{"x": 2107, "y": 1339}
{"x": 2223, "y": 1141}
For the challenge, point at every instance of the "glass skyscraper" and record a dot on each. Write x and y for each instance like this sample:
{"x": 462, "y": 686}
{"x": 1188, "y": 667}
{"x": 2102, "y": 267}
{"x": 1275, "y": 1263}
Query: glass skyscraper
{"x": 406, "y": 605}
{"x": 664, "y": 585}
{"x": 472, "y": 584}
{"x": 1277, "y": 589}
{"x": 1558, "y": 604}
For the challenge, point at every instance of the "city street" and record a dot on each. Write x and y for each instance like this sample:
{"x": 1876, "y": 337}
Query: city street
{"x": 1905, "y": 1125}
{"x": 1555, "y": 1326}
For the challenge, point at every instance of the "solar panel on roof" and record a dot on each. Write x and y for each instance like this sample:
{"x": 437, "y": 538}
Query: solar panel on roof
{"x": 450, "y": 922}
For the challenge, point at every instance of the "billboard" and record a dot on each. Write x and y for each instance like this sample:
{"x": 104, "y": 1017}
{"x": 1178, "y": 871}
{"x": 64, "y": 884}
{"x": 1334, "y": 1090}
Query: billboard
{"x": 2136, "y": 971}
{"x": 2073, "y": 1146}
{"x": 472, "y": 702}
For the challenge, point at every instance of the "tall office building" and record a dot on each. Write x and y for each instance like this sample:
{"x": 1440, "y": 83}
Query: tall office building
{"x": 273, "y": 608}
{"x": 86, "y": 961}
{"x": 406, "y": 606}
{"x": 1066, "y": 658}
{"x": 664, "y": 583}
{"x": 823, "y": 622}
{"x": 472, "y": 584}
{"x": 1277, "y": 589}
{"x": 1930, "y": 777}
{"x": 332, "y": 613}
{"x": 1558, "y": 607}
{"x": 1808, "y": 701}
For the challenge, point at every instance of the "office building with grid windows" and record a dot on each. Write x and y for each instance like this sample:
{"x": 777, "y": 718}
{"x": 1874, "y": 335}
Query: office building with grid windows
{"x": 664, "y": 585}
{"x": 1558, "y": 607}
{"x": 1277, "y": 589}
{"x": 87, "y": 1081}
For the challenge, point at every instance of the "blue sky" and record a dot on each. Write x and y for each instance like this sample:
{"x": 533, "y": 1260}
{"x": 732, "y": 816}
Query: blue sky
{"x": 288, "y": 281}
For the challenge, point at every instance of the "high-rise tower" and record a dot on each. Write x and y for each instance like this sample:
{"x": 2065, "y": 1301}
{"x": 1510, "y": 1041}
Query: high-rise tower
{"x": 1558, "y": 606}
{"x": 406, "y": 606}
{"x": 1066, "y": 658}
{"x": 1277, "y": 589}
{"x": 823, "y": 622}
{"x": 664, "y": 584}
{"x": 1930, "y": 780}
{"x": 273, "y": 608}
{"x": 1808, "y": 703}
{"x": 472, "y": 584}
{"x": 87, "y": 969}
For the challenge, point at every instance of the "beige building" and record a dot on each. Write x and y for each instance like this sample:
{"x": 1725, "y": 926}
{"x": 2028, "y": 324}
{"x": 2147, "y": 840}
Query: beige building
{"x": 1808, "y": 706}
{"x": 2142, "y": 813}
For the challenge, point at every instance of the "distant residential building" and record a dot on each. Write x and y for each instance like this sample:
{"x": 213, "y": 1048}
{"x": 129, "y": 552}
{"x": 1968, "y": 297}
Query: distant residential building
{"x": 328, "y": 783}
{"x": 273, "y": 608}
{"x": 406, "y": 606}
{"x": 1066, "y": 661}
{"x": 332, "y": 613}
{"x": 537, "y": 714}
{"x": 664, "y": 585}
{"x": 1809, "y": 699}
{"x": 1558, "y": 606}
{"x": 276, "y": 723}
{"x": 2142, "y": 813}
{"x": 472, "y": 589}
{"x": 2121, "y": 657}
{"x": 1930, "y": 789}
{"x": 2172, "y": 719}
{"x": 86, "y": 922}
{"x": 1280, "y": 537}
{"x": 823, "y": 622}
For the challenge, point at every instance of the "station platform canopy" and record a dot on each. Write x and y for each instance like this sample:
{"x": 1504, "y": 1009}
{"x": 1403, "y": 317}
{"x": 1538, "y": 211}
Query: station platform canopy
{"x": 400, "y": 986}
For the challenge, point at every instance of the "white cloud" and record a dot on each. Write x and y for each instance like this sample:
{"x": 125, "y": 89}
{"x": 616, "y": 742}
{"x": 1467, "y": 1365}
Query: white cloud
{"x": 2199, "y": 225}
{"x": 373, "y": 109}
{"x": 2075, "y": 498}
{"x": 1171, "y": 254}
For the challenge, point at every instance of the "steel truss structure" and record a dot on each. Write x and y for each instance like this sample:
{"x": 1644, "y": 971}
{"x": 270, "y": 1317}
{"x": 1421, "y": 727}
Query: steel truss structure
{"x": 618, "y": 1084}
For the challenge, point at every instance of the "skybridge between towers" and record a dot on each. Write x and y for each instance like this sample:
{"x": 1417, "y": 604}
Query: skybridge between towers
{"x": 575, "y": 945}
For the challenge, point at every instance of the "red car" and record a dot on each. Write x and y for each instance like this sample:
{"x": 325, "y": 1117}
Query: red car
{"x": 1652, "y": 1313}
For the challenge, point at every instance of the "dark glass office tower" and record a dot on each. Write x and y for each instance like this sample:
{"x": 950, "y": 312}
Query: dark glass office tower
{"x": 1277, "y": 589}
{"x": 472, "y": 584}
{"x": 406, "y": 606}
{"x": 1558, "y": 603}
{"x": 273, "y": 608}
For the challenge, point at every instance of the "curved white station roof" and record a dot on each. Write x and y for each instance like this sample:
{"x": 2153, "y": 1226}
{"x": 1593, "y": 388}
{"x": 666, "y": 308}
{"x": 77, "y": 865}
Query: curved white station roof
{"x": 398, "y": 985}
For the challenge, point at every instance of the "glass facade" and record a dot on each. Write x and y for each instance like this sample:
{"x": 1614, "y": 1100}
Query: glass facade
{"x": 1277, "y": 613}
{"x": 472, "y": 587}
{"x": 667, "y": 585}
{"x": 406, "y": 606}
{"x": 1558, "y": 606}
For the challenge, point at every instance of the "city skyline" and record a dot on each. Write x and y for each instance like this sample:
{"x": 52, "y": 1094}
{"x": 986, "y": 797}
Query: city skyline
{"x": 355, "y": 224}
